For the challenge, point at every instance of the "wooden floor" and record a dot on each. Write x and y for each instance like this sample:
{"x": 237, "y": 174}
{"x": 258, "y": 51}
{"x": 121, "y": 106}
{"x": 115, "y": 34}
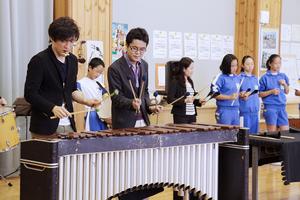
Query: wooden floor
{"x": 270, "y": 187}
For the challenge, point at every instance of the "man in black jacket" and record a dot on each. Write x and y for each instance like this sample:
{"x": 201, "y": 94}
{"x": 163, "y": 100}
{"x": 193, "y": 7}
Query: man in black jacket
{"x": 129, "y": 110}
{"x": 51, "y": 81}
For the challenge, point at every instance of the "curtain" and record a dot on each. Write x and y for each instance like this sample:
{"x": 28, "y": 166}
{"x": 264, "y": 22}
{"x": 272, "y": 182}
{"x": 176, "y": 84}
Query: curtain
{"x": 24, "y": 32}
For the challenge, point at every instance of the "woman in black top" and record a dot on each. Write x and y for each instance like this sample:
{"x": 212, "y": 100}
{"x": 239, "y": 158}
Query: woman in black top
{"x": 184, "y": 110}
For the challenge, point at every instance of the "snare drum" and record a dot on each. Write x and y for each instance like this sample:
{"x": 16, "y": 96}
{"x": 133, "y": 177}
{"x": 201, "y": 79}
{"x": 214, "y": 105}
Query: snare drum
{"x": 9, "y": 136}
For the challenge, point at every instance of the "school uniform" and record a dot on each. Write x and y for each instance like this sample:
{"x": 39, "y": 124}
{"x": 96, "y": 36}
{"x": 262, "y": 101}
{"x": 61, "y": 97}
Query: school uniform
{"x": 227, "y": 110}
{"x": 249, "y": 108}
{"x": 274, "y": 105}
{"x": 92, "y": 90}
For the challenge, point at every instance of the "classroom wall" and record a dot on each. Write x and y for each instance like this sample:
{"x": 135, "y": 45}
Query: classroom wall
{"x": 196, "y": 16}
{"x": 290, "y": 12}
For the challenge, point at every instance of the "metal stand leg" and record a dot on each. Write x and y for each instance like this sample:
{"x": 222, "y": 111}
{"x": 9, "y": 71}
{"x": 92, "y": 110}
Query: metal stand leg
{"x": 5, "y": 180}
{"x": 254, "y": 173}
{"x": 26, "y": 127}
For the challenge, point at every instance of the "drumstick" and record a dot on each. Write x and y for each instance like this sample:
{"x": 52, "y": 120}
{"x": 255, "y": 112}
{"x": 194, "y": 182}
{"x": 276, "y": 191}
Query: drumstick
{"x": 214, "y": 95}
{"x": 253, "y": 92}
{"x": 248, "y": 90}
{"x": 142, "y": 86}
{"x": 204, "y": 88}
{"x": 106, "y": 95}
{"x": 72, "y": 113}
{"x": 115, "y": 92}
{"x": 238, "y": 88}
{"x": 131, "y": 86}
{"x": 66, "y": 54}
{"x": 186, "y": 94}
{"x": 155, "y": 94}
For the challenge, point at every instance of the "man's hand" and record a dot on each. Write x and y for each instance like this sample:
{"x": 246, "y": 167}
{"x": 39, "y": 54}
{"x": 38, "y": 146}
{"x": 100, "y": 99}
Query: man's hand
{"x": 60, "y": 112}
{"x": 136, "y": 104}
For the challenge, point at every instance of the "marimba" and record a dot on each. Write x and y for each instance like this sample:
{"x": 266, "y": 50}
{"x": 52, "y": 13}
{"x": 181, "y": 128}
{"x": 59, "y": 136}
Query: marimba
{"x": 111, "y": 163}
{"x": 276, "y": 147}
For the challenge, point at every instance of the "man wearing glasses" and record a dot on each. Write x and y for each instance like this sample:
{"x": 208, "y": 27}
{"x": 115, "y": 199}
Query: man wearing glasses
{"x": 130, "y": 108}
{"x": 50, "y": 83}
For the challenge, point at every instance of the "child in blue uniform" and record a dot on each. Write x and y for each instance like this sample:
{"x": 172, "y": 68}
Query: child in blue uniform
{"x": 93, "y": 89}
{"x": 228, "y": 84}
{"x": 249, "y": 105}
{"x": 273, "y": 87}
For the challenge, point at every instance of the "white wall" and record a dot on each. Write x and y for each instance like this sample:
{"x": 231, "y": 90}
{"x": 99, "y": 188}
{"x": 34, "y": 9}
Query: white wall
{"x": 198, "y": 16}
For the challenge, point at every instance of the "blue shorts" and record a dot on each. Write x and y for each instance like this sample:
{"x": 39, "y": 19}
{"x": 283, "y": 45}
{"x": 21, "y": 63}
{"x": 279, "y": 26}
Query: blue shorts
{"x": 251, "y": 121}
{"x": 228, "y": 115}
{"x": 276, "y": 115}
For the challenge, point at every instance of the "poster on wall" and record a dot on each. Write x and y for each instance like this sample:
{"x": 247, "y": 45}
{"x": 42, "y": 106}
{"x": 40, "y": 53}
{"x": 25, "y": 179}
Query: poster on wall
{"x": 175, "y": 45}
{"x": 190, "y": 45}
{"x": 216, "y": 47}
{"x": 94, "y": 48}
{"x": 286, "y": 32}
{"x": 228, "y": 44}
{"x": 203, "y": 46}
{"x": 119, "y": 32}
{"x": 160, "y": 77}
{"x": 290, "y": 68}
{"x": 295, "y": 32}
{"x": 160, "y": 44}
{"x": 269, "y": 45}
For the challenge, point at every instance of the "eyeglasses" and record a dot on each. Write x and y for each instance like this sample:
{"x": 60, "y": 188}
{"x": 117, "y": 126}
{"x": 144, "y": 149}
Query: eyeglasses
{"x": 135, "y": 49}
{"x": 72, "y": 41}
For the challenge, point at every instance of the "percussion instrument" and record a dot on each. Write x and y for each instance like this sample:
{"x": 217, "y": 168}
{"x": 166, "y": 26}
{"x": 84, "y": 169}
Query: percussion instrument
{"x": 9, "y": 140}
{"x": 112, "y": 163}
{"x": 9, "y": 136}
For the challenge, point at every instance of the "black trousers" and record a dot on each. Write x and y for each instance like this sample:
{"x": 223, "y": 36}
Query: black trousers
{"x": 184, "y": 119}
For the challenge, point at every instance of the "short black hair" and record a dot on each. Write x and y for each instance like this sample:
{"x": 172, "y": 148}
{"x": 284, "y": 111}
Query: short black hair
{"x": 63, "y": 28}
{"x": 137, "y": 34}
{"x": 95, "y": 62}
{"x": 271, "y": 59}
{"x": 244, "y": 60}
{"x": 225, "y": 66}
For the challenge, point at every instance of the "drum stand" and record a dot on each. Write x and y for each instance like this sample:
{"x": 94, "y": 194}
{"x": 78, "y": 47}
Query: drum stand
{"x": 26, "y": 127}
{"x": 5, "y": 181}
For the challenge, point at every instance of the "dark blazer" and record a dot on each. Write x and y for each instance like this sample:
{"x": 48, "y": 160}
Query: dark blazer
{"x": 44, "y": 89}
{"x": 176, "y": 90}
{"x": 123, "y": 114}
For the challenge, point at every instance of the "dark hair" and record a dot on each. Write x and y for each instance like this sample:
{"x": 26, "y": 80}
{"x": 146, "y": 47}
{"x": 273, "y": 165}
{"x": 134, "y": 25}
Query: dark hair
{"x": 95, "y": 62}
{"x": 271, "y": 59}
{"x": 225, "y": 66}
{"x": 63, "y": 28}
{"x": 138, "y": 34}
{"x": 183, "y": 64}
{"x": 244, "y": 60}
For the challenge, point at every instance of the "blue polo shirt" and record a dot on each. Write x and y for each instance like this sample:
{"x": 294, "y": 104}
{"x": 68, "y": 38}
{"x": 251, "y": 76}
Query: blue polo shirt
{"x": 270, "y": 81}
{"x": 252, "y": 102}
{"x": 226, "y": 84}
